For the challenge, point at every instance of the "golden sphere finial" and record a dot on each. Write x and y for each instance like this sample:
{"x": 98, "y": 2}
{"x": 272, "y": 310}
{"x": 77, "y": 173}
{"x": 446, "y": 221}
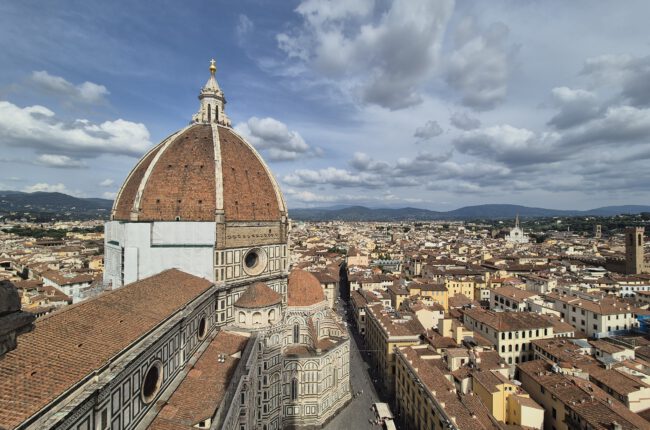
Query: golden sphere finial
{"x": 213, "y": 66}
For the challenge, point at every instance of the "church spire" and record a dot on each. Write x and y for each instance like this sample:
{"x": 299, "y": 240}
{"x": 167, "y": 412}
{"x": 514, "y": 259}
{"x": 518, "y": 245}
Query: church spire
{"x": 211, "y": 110}
{"x": 517, "y": 220}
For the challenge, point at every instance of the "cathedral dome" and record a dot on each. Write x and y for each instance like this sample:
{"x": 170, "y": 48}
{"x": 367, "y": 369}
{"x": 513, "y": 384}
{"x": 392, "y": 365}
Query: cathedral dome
{"x": 201, "y": 172}
{"x": 303, "y": 289}
{"x": 258, "y": 295}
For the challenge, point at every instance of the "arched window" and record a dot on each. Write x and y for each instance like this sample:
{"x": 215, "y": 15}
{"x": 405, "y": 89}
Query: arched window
{"x": 242, "y": 317}
{"x": 209, "y": 113}
{"x": 294, "y": 389}
{"x": 272, "y": 315}
{"x": 257, "y": 318}
{"x": 296, "y": 333}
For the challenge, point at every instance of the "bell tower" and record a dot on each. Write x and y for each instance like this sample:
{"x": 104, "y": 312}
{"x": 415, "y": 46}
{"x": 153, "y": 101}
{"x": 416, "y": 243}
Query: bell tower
{"x": 634, "y": 263}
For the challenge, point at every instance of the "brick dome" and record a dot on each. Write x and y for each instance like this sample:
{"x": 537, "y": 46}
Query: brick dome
{"x": 303, "y": 289}
{"x": 196, "y": 174}
{"x": 258, "y": 295}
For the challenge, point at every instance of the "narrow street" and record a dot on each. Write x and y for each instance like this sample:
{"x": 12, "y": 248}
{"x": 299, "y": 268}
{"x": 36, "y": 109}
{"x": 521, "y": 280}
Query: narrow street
{"x": 357, "y": 414}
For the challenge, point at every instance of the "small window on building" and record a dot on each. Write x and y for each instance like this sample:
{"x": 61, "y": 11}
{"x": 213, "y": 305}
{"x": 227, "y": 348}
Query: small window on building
{"x": 294, "y": 389}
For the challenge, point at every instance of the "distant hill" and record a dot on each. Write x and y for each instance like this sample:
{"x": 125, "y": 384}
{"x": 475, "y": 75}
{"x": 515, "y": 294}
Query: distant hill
{"x": 57, "y": 204}
{"x": 490, "y": 211}
{"x": 61, "y": 205}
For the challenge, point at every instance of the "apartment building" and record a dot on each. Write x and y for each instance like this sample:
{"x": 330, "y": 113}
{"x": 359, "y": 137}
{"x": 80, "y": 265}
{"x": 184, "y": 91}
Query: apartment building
{"x": 426, "y": 399}
{"x": 386, "y": 331}
{"x": 597, "y": 317}
{"x": 511, "y": 332}
{"x": 510, "y": 298}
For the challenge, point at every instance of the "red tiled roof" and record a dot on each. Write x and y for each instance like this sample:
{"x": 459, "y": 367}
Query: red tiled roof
{"x": 304, "y": 289}
{"x": 69, "y": 345}
{"x": 182, "y": 181}
{"x": 198, "y": 396}
{"x": 258, "y": 295}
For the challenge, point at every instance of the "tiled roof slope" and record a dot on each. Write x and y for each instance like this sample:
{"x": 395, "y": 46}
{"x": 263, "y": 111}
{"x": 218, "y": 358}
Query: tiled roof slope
{"x": 198, "y": 396}
{"x": 595, "y": 406}
{"x": 67, "y": 346}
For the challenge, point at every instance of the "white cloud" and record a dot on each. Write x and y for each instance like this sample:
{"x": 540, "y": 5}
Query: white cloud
{"x": 48, "y": 188}
{"x": 109, "y": 195}
{"x": 463, "y": 121}
{"x": 428, "y": 131}
{"x": 86, "y": 92}
{"x": 244, "y": 27}
{"x": 383, "y": 56}
{"x": 106, "y": 182}
{"x": 630, "y": 73}
{"x": 59, "y": 161}
{"x": 480, "y": 65}
{"x": 38, "y": 127}
{"x": 332, "y": 176}
{"x": 276, "y": 139}
{"x": 509, "y": 144}
{"x": 576, "y": 107}
{"x": 309, "y": 198}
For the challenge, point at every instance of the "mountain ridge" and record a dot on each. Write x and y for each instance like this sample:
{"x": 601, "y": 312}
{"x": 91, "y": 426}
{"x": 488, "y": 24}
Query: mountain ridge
{"x": 485, "y": 211}
{"x": 53, "y": 202}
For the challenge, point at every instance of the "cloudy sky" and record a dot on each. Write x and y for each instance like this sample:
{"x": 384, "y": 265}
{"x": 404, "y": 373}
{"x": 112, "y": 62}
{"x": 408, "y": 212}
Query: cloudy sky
{"x": 428, "y": 103}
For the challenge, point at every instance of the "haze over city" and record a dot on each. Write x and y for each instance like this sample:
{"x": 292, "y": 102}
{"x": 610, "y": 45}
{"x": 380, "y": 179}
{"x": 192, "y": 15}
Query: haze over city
{"x": 432, "y": 104}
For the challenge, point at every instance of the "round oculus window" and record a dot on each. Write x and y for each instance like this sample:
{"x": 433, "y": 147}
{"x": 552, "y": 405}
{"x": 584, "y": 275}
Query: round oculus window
{"x": 203, "y": 328}
{"x": 251, "y": 260}
{"x": 254, "y": 261}
{"x": 152, "y": 382}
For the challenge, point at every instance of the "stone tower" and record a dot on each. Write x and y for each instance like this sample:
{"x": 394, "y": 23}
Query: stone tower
{"x": 598, "y": 232}
{"x": 634, "y": 263}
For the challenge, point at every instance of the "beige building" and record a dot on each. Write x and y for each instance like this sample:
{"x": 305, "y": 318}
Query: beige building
{"x": 510, "y": 332}
{"x": 506, "y": 401}
{"x": 386, "y": 331}
{"x": 426, "y": 399}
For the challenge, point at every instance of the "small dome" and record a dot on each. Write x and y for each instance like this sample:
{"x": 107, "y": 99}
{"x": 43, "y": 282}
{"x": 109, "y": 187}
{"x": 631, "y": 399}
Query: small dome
{"x": 304, "y": 289}
{"x": 197, "y": 173}
{"x": 258, "y": 295}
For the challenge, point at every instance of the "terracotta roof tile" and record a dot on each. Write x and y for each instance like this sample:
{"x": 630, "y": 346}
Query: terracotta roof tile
{"x": 69, "y": 345}
{"x": 258, "y": 295}
{"x": 182, "y": 183}
{"x": 198, "y": 396}
{"x": 304, "y": 289}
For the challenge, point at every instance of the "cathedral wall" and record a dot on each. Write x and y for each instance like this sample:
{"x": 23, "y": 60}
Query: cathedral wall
{"x": 138, "y": 250}
{"x": 230, "y": 264}
{"x": 322, "y": 385}
{"x": 118, "y": 400}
